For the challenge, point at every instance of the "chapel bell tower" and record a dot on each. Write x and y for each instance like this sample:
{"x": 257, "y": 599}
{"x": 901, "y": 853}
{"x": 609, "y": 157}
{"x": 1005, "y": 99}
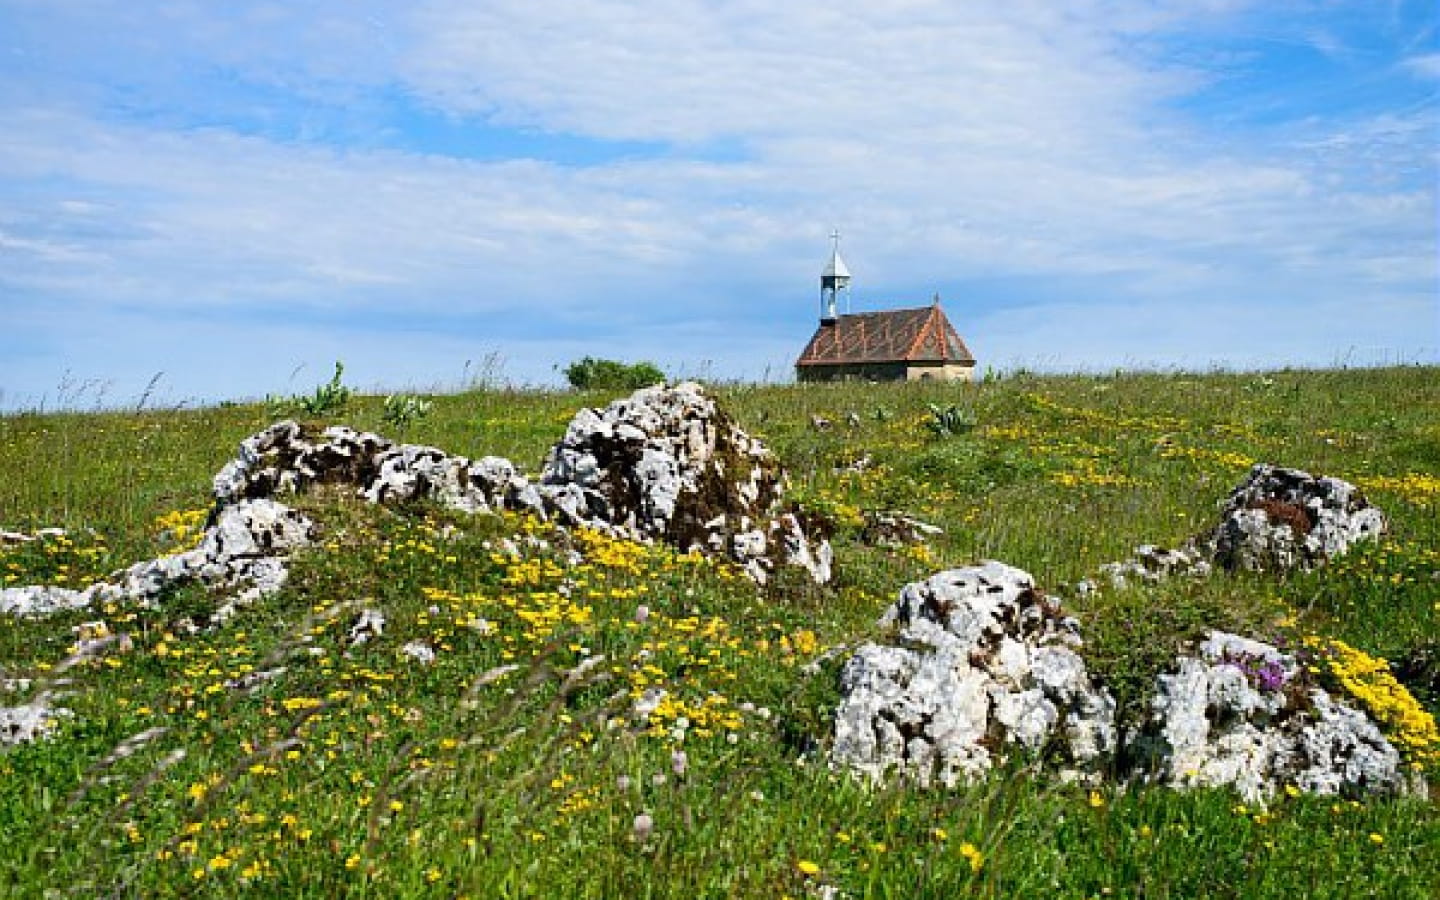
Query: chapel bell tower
{"x": 834, "y": 283}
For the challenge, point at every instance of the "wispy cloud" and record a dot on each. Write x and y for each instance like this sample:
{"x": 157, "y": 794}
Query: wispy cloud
{"x": 657, "y": 179}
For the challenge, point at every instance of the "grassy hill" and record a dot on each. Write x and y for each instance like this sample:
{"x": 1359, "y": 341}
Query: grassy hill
{"x": 270, "y": 757}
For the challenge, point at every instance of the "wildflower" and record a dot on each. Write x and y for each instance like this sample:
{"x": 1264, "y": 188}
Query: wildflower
{"x": 973, "y": 856}
{"x": 808, "y": 868}
{"x": 1096, "y": 801}
{"x": 642, "y": 827}
{"x": 678, "y": 762}
{"x": 1376, "y": 838}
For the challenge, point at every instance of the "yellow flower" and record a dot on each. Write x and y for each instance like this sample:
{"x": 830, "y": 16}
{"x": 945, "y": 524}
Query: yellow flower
{"x": 1377, "y": 838}
{"x": 1096, "y": 801}
{"x": 973, "y": 856}
{"x": 807, "y": 867}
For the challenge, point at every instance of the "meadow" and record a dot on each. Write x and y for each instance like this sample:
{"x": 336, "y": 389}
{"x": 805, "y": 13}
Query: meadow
{"x": 273, "y": 756}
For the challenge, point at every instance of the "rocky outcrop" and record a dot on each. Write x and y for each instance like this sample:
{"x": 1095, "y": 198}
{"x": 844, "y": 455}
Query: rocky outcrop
{"x": 888, "y": 528}
{"x": 1239, "y": 714}
{"x": 284, "y": 459}
{"x": 1277, "y": 520}
{"x": 1152, "y": 564}
{"x": 664, "y": 464}
{"x": 667, "y": 464}
{"x": 1281, "y": 519}
{"x": 244, "y": 549}
{"x": 28, "y": 722}
{"x": 982, "y": 663}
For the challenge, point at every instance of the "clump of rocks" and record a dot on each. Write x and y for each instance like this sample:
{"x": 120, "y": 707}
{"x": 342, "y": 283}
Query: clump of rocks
{"x": 1278, "y": 520}
{"x": 243, "y": 549}
{"x": 664, "y": 464}
{"x": 894, "y": 529}
{"x": 981, "y": 663}
{"x": 1281, "y": 519}
{"x": 28, "y": 722}
{"x": 1239, "y": 713}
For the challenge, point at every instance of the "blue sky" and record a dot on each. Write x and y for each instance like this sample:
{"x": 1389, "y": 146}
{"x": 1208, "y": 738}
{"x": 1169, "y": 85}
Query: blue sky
{"x": 236, "y": 195}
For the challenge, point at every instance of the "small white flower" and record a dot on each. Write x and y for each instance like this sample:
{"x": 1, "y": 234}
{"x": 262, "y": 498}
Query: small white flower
{"x": 644, "y": 825}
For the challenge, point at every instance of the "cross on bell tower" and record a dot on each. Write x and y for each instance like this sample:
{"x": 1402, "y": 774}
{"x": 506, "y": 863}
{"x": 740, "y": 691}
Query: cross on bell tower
{"x": 834, "y": 282}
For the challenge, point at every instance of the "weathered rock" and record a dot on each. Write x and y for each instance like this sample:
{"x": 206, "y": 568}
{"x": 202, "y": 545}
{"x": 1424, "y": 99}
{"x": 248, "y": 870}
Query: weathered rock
{"x": 283, "y": 459}
{"x": 369, "y": 624}
{"x": 1151, "y": 564}
{"x": 40, "y": 600}
{"x": 1235, "y": 716}
{"x": 983, "y": 662}
{"x": 666, "y": 464}
{"x": 244, "y": 548}
{"x": 1281, "y": 519}
{"x": 1277, "y": 520}
{"x": 28, "y": 722}
{"x": 887, "y": 528}
{"x": 20, "y": 537}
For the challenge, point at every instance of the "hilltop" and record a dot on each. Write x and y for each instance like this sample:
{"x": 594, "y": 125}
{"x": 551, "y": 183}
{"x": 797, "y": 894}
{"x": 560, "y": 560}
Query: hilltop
{"x": 443, "y": 703}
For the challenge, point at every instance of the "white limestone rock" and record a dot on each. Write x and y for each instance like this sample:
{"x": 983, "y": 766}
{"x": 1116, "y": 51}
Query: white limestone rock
{"x": 28, "y": 722}
{"x": 892, "y": 529}
{"x": 244, "y": 549}
{"x": 1281, "y": 519}
{"x": 1278, "y": 520}
{"x": 983, "y": 662}
{"x": 369, "y": 624}
{"x": 1234, "y": 716}
{"x": 666, "y": 464}
{"x": 1152, "y": 564}
{"x": 663, "y": 464}
{"x": 40, "y": 600}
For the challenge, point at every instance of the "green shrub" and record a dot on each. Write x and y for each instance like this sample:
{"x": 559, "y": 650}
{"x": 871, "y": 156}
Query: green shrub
{"x": 403, "y": 409}
{"x": 328, "y": 398}
{"x": 949, "y": 421}
{"x": 608, "y": 374}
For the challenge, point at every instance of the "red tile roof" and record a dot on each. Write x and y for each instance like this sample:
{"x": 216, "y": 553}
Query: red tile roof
{"x": 921, "y": 335}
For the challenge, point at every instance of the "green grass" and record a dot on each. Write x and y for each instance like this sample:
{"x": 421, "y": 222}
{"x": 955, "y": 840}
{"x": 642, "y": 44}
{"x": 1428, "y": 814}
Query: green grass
{"x": 357, "y": 772}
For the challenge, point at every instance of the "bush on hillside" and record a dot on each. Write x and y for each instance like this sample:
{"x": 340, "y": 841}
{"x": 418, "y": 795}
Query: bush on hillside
{"x": 608, "y": 374}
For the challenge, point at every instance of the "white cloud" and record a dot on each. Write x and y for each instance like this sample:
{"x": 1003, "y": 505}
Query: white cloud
{"x": 1426, "y": 65}
{"x": 954, "y": 144}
